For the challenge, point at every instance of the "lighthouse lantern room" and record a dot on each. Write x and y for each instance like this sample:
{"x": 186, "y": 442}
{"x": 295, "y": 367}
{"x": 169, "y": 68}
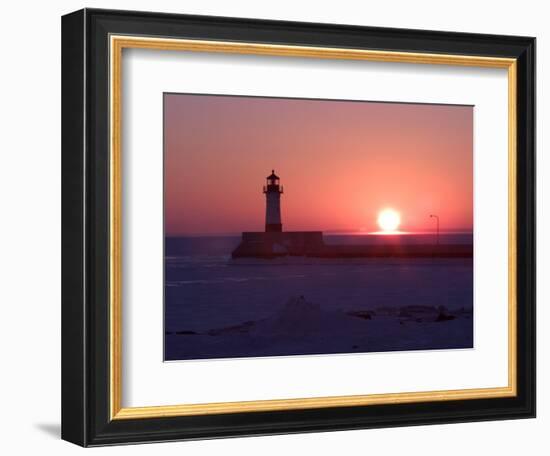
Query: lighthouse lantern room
{"x": 273, "y": 193}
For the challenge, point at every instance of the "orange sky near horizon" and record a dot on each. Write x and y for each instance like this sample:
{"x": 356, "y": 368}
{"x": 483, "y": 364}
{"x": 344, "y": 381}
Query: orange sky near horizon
{"x": 340, "y": 163}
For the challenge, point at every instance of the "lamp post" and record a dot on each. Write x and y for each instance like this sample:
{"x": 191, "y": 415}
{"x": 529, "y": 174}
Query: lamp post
{"x": 437, "y": 219}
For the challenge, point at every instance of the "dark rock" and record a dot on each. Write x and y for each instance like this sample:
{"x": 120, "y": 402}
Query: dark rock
{"x": 444, "y": 317}
{"x": 364, "y": 314}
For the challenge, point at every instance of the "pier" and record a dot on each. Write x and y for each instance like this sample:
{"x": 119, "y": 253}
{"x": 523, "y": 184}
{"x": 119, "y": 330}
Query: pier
{"x": 311, "y": 244}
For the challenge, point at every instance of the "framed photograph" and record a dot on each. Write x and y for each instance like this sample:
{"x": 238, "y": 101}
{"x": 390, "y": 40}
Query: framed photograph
{"x": 279, "y": 227}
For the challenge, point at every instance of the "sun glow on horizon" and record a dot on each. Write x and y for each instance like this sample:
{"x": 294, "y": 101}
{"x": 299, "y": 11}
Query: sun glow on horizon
{"x": 389, "y": 220}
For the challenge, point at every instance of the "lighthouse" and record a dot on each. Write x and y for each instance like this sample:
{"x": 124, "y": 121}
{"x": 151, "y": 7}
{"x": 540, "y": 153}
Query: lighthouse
{"x": 273, "y": 193}
{"x": 274, "y": 242}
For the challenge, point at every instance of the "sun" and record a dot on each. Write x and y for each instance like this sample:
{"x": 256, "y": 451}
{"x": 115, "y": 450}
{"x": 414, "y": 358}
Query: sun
{"x": 389, "y": 220}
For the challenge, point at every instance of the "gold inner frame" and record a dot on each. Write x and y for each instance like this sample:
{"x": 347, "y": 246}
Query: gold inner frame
{"x": 117, "y": 44}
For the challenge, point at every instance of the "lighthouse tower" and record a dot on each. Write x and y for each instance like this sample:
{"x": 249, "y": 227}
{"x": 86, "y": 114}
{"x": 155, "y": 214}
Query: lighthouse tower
{"x": 273, "y": 204}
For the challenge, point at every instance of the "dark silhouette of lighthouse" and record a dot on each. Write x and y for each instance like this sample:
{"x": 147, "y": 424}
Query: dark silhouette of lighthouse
{"x": 273, "y": 204}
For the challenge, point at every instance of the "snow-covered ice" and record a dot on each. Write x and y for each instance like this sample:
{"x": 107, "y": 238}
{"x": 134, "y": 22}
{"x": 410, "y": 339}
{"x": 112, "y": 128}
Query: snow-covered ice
{"x": 217, "y": 308}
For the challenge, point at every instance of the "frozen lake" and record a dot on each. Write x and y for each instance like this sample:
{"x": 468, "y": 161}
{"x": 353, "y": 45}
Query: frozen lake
{"x": 216, "y": 307}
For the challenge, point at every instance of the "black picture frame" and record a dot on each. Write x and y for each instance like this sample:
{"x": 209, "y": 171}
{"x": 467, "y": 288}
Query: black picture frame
{"x": 85, "y": 225}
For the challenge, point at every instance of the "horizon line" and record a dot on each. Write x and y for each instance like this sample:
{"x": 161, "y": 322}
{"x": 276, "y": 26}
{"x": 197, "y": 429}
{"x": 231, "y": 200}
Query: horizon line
{"x": 328, "y": 232}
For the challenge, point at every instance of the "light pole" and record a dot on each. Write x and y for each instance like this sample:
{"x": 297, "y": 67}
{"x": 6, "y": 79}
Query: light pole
{"x": 437, "y": 219}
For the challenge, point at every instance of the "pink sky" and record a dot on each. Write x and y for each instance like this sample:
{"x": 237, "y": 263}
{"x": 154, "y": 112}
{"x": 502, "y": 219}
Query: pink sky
{"x": 340, "y": 163}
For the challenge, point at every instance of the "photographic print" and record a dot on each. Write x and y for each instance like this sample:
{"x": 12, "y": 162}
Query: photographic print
{"x": 310, "y": 226}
